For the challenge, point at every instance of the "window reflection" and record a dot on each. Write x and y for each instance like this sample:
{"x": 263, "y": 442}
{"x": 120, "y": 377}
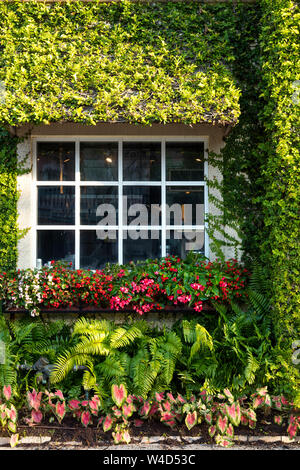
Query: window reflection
{"x": 56, "y": 161}
{"x": 97, "y": 202}
{"x": 184, "y": 161}
{"x": 180, "y": 242}
{"x": 142, "y": 161}
{"x": 141, "y": 245}
{"x": 56, "y": 205}
{"x": 56, "y": 245}
{"x": 97, "y": 249}
{"x": 99, "y": 161}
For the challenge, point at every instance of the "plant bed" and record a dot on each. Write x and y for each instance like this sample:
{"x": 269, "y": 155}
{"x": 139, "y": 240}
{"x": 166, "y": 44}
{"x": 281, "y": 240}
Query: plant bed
{"x": 152, "y": 286}
{"x": 84, "y": 309}
{"x": 68, "y": 431}
{"x": 130, "y": 417}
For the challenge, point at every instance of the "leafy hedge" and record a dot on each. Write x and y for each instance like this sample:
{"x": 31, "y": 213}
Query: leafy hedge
{"x": 116, "y": 61}
{"x": 280, "y": 117}
{"x": 9, "y": 169}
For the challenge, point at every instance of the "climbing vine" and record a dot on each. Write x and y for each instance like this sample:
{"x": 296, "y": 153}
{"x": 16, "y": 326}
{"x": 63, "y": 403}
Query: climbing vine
{"x": 116, "y": 61}
{"x": 9, "y": 169}
{"x": 227, "y": 63}
{"x": 280, "y": 117}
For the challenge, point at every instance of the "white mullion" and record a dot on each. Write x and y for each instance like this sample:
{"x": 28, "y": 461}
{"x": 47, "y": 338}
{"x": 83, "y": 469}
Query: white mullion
{"x": 206, "y": 238}
{"x": 142, "y": 227}
{"x": 55, "y": 227}
{"x": 163, "y": 199}
{"x": 120, "y": 201}
{"x": 99, "y": 183}
{"x": 141, "y": 183}
{"x": 185, "y": 183}
{"x": 77, "y": 204}
{"x": 185, "y": 227}
{"x": 55, "y": 183}
{"x": 34, "y": 206}
{"x": 96, "y": 227}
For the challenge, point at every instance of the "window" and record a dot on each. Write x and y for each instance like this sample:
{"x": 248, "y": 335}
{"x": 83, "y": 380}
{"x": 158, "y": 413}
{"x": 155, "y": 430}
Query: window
{"x": 118, "y": 200}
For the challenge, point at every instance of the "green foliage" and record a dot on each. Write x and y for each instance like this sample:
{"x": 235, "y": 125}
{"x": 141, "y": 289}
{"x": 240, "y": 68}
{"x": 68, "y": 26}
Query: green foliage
{"x": 237, "y": 221}
{"x": 116, "y": 61}
{"x": 110, "y": 352}
{"x": 260, "y": 163}
{"x": 8, "y": 374}
{"x": 176, "y": 62}
{"x": 280, "y": 117}
{"x": 9, "y": 169}
{"x": 31, "y": 340}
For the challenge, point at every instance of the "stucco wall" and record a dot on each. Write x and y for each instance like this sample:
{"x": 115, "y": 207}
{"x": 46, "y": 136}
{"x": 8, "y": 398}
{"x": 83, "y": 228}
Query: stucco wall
{"x": 26, "y": 203}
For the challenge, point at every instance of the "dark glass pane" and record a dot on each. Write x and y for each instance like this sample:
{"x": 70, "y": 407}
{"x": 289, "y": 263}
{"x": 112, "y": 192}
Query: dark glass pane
{"x": 98, "y": 203}
{"x": 99, "y": 161}
{"x": 141, "y": 205}
{"x": 185, "y": 205}
{"x": 141, "y": 245}
{"x": 184, "y": 161}
{"x": 56, "y": 245}
{"x": 180, "y": 242}
{"x": 56, "y": 161}
{"x": 97, "y": 248}
{"x": 56, "y": 205}
{"x": 142, "y": 161}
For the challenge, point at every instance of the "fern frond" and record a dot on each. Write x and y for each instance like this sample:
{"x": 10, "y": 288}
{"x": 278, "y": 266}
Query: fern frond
{"x": 251, "y": 368}
{"x": 259, "y": 302}
{"x": 86, "y": 327}
{"x": 110, "y": 368}
{"x": 122, "y": 337}
{"x": 89, "y": 377}
{"x": 203, "y": 341}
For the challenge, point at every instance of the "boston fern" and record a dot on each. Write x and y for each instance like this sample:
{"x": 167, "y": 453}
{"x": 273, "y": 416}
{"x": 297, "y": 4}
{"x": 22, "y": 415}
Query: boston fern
{"x": 110, "y": 352}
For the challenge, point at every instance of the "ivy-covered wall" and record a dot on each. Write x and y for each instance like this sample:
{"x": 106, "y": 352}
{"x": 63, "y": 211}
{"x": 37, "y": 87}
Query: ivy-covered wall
{"x": 8, "y": 201}
{"x": 116, "y": 61}
{"x": 280, "y": 117}
{"x": 175, "y": 62}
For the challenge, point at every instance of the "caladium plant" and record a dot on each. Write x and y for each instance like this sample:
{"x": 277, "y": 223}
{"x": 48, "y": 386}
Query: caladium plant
{"x": 222, "y": 412}
{"x": 119, "y": 394}
{"x": 9, "y": 414}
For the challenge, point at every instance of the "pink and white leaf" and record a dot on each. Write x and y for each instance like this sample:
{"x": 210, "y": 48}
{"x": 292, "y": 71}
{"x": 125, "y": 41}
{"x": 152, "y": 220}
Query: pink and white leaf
{"x": 191, "y": 420}
{"x": 11, "y": 426}
{"x": 36, "y": 416}
{"x": 222, "y": 423}
{"x": 14, "y": 440}
{"x": 7, "y": 392}
{"x": 107, "y": 423}
{"x": 127, "y": 410}
{"x": 74, "y": 404}
{"x": 85, "y": 418}
{"x": 34, "y": 399}
{"x": 59, "y": 394}
{"x": 212, "y": 430}
{"x": 119, "y": 394}
{"x": 60, "y": 410}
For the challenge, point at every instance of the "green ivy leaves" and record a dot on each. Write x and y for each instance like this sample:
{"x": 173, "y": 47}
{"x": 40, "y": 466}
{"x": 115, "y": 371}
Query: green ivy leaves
{"x": 140, "y": 63}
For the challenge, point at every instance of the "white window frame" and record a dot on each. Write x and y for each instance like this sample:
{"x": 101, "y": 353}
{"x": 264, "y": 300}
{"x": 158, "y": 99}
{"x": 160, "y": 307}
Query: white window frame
{"x": 120, "y": 227}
